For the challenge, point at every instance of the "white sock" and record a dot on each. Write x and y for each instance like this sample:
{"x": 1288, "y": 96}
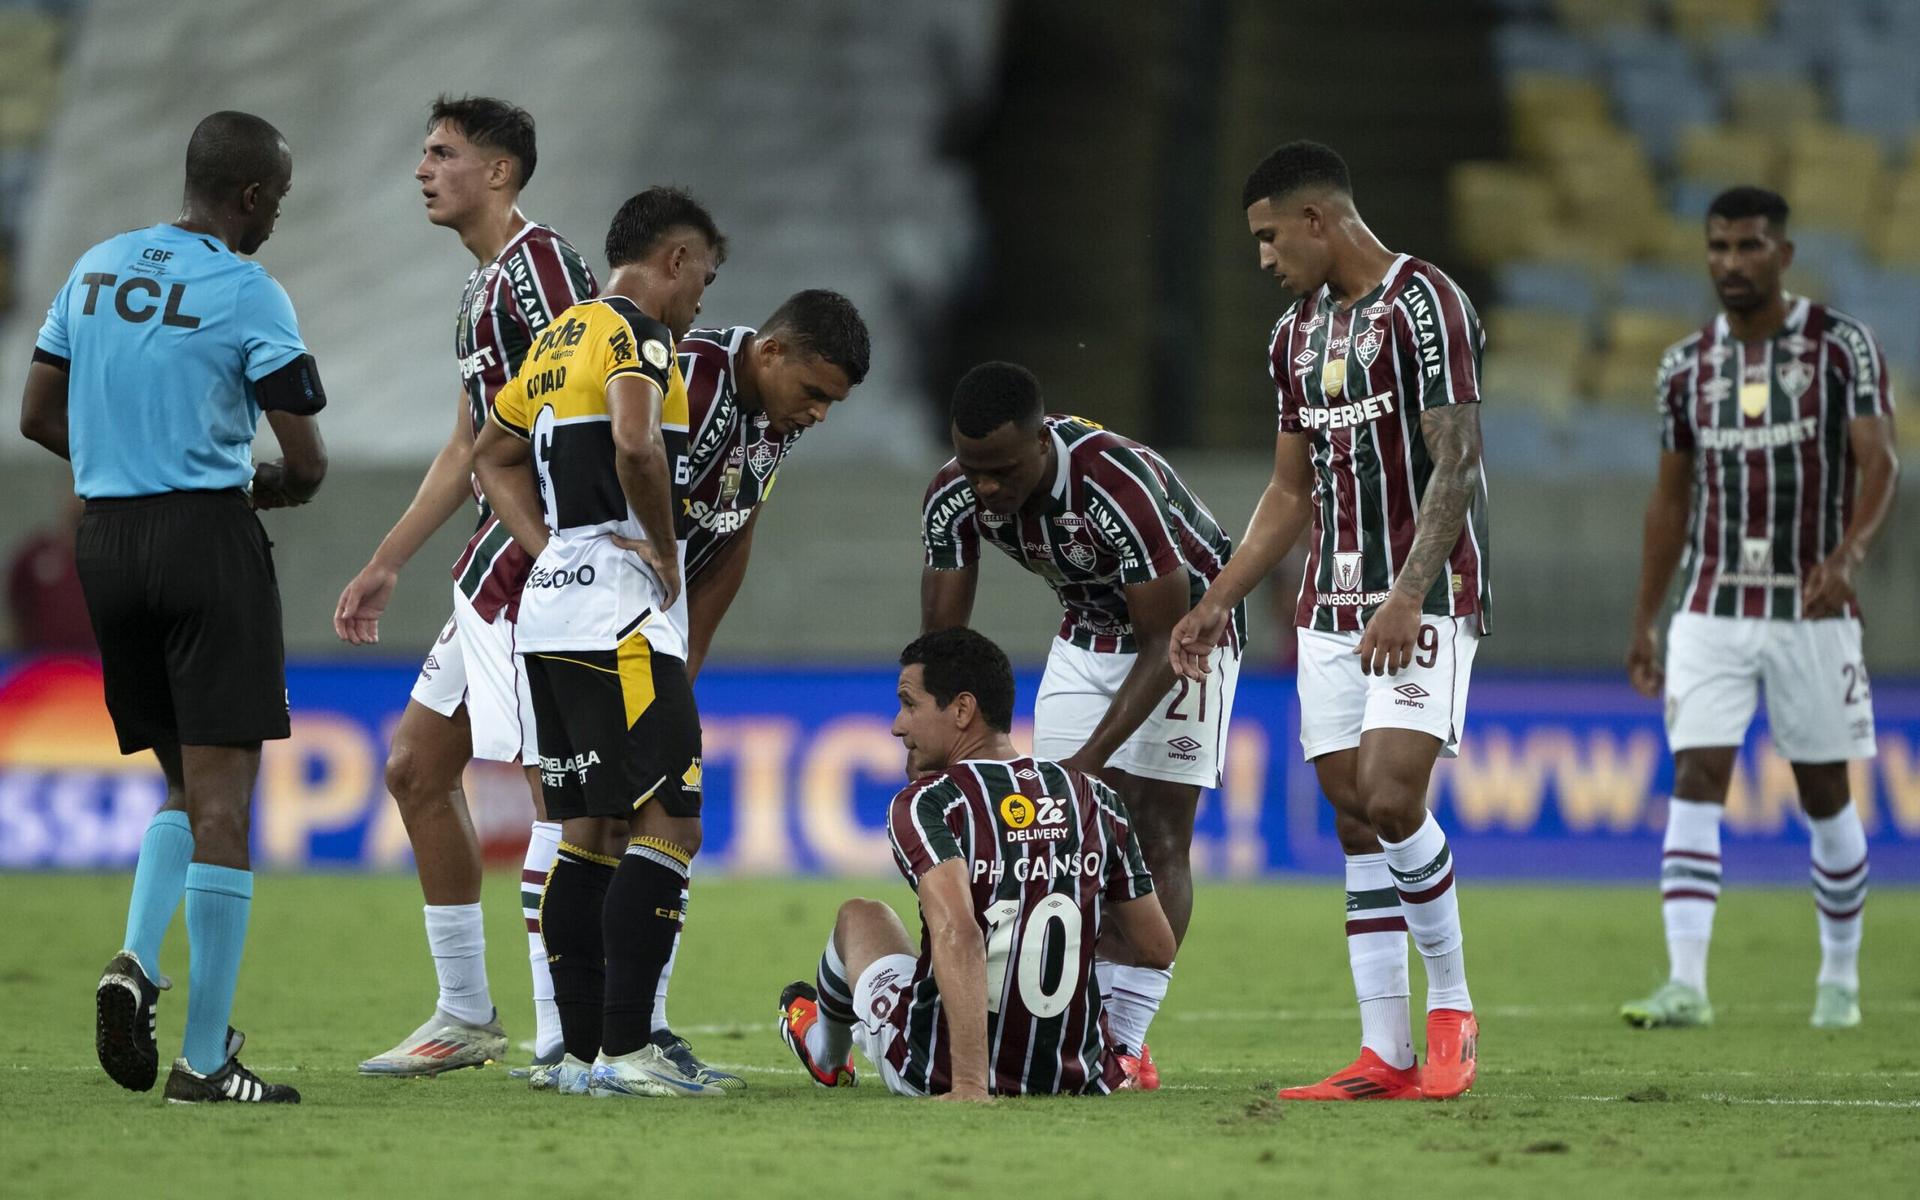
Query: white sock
{"x": 1840, "y": 893}
{"x": 831, "y": 1038}
{"x": 543, "y": 846}
{"x": 1690, "y": 887}
{"x": 666, "y": 972}
{"x": 459, "y": 944}
{"x": 1131, "y": 997}
{"x": 1422, "y": 869}
{"x": 1377, "y": 953}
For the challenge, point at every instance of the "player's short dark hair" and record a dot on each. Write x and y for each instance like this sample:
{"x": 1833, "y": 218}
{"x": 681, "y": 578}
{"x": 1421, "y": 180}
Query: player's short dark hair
{"x": 1292, "y": 167}
{"x": 827, "y": 324}
{"x": 230, "y": 151}
{"x": 993, "y": 394}
{"x": 961, "y": 660}
{"x": 646, "y": 218}
{"x": 1739, "y": 203}
{"x": 492, "y": 123}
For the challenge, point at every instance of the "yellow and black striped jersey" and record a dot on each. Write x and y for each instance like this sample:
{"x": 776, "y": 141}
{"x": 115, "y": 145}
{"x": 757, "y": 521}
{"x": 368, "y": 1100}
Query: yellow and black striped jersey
{"x": 585, "y": 592}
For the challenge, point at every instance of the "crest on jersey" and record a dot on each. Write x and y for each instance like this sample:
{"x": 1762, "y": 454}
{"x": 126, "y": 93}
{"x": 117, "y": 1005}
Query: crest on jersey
{"x": 1333, "y": 377}
{"x": 1756, "y": 556}
{"x": 763, "y": 458}
{"x": 1795, "y": 377}
{"x": 1346, "y": 571}
{"x": 1079, "y": 554}
{"x": 690, "y": 778}
{"x": 1366, "y": 347}
{"x": 1754, "y": 398}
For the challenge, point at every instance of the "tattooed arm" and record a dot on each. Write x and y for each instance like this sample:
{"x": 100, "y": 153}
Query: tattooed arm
{"x": 1452, "y": 434}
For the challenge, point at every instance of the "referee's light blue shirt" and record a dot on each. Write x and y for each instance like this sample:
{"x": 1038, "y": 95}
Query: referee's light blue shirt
{"x": 166, "y": 332}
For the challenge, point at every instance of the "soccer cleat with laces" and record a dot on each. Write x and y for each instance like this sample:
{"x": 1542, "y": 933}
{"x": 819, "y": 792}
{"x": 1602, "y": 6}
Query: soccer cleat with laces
{"x": 569, "y": 1077}
{"x": 1836, "y": 1006}
{"x": 1674, "y": 1005}
{"x": 126, "y": 1005}
{"x": 547, "y": 1062}
{"x": 799, "y": 1010}
{"x": 1143, "y": 1075}
{"x": 647, "y": 1071}
{"x": 681, "y": 1052}
{"x": 232, "y": 1083}
{"x": 444, "y": 1043}
{"x": 1368, "y": 1077}
{"x": 1453, "y": 1048}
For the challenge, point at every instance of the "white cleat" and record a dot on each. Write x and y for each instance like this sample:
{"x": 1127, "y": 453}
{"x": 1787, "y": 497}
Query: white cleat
{"x": 568, "y": 1077}
{"x": 648, "y": 1071}
{"x": 444, "y": 1043}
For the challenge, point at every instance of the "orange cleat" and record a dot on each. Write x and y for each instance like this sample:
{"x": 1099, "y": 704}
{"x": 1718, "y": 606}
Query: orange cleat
{"x": 799, "y": 1010}
{"x": 1142, "y": 1074}
{"x": 1368, "y": 1078}
{"x": 1453, "y": 1045}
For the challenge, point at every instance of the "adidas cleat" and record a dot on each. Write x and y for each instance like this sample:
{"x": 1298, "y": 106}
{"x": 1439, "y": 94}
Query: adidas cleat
{"x": 1674, "y": 1005}
{"x": 799, "y": 1010}
{"x": 126, "y": 1005}
{"x": 232, "y": 1083}
{"x": 1453, "y": 1049}
{"x": 1367, "y": 1078}
{"x": 444, "y": 1043}
{"x": 647, "y": 1072}
{"x": 1836, "y": 1006}
{"x": 681, "y": 1052}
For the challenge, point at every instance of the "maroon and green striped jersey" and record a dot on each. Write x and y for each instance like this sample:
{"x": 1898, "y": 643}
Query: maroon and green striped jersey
{"x": 735, "y": 454}
{"x": 1044, "y": 849}
{"x": 1354, "y": 382}
{"x": 505, "y": 306}
{"x": 1773, "y": 470}
{"x": 1114, "y": 514}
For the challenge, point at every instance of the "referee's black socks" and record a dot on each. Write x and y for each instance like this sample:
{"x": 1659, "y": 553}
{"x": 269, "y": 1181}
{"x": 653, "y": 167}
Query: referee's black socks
{"x": 642, "y": 919}
{"x": 570, "y": 917}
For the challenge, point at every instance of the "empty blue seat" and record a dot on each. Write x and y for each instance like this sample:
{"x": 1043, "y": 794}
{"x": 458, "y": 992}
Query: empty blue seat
{"x": 1556, "y": 287}
{"x": 1682, "y": 291}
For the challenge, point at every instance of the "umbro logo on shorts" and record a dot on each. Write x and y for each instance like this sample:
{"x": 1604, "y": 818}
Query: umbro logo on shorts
{"x": 1183, "y": 749}
{"x": 1412, "y": 695}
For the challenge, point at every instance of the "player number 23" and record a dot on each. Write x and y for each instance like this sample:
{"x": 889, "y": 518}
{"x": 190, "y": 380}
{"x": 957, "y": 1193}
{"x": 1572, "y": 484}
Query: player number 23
{"x": 1031, "y": 970}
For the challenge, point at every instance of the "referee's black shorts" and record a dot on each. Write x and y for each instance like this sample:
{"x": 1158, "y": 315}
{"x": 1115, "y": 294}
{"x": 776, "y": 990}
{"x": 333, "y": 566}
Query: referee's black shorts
{"x": 184, "y": 603}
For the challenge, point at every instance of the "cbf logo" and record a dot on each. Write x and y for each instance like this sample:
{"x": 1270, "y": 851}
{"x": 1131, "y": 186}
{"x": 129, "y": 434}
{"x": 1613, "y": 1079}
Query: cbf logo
{"x": 1346, "y": 571}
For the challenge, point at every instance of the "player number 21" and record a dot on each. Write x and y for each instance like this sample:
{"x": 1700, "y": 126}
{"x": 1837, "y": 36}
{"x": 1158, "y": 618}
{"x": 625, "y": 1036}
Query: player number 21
{"x": 1031, "y": 970}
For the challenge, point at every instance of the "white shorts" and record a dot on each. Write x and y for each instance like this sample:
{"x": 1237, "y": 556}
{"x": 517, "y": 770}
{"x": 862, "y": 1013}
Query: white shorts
{"x": 882, "y": 990}
{"x": 1339, "y": 702}
{"x": 474, "y": 664}
{"x": 1183, "y": 741}
{"x": 1819, "y": 703}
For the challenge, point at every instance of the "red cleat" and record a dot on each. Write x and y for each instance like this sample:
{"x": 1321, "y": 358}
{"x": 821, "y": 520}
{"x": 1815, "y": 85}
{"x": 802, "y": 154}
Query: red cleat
{"x": 1368, "y": 1078}
{"x": 1453, "y": 1045}
{"x": 1149, "y": 1070}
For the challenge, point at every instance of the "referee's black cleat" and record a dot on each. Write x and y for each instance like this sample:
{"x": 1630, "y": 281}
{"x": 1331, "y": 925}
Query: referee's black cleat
{"x": 232, "y": 1082}
{"x": 125, "y": 1007}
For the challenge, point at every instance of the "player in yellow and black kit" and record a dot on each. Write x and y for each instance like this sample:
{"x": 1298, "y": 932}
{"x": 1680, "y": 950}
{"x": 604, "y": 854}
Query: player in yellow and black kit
{"x": 592, "y": 434}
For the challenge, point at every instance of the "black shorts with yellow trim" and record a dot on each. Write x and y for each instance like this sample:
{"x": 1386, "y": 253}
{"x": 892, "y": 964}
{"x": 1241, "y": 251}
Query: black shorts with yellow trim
{"x": 618, "y": 729}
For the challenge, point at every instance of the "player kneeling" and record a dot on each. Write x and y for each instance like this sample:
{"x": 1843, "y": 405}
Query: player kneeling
{"x": 1015, "y": 861}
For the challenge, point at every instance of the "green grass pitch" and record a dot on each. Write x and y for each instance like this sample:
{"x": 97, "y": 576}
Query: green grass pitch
{"x": 1569, "y": 1102}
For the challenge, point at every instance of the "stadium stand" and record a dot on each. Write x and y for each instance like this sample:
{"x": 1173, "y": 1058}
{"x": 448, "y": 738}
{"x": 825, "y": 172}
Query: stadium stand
{"x": 1625, "y": 117}
{"x": 31, "y": 41}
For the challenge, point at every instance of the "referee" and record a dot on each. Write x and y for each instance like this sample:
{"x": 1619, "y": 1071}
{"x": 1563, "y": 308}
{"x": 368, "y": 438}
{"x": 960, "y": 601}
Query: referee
{"x": 156, "y": 360}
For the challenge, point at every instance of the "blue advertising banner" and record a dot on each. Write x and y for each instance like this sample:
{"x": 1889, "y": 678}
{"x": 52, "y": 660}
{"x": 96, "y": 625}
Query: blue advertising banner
{"x": 1557, "y": 778}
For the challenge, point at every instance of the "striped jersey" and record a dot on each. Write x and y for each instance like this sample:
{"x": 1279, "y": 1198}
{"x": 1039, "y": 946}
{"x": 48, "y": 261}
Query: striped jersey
{"x": 504, "y": 307}
{"x": 584, "y": 592}
{"x": 1355, "y": 383}
{"x": 1773, "y": 470}
{"x": 1044, "y": 848}
{"x": 1115, "y": 514}
{"x": 735, "y": 455}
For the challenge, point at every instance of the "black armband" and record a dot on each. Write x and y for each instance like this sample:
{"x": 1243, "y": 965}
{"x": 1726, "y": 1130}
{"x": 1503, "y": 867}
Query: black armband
{"x": 52, "y": 360}
{"x": 294, "y": 388}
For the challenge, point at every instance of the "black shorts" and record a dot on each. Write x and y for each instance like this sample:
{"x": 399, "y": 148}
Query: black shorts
{"x": 184, "y": 603}
{"x": 618, "y": 729}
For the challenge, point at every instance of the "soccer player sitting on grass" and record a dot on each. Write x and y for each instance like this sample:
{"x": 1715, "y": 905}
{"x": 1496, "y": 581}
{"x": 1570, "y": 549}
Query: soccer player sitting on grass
{"x": 1015, "y": 861}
